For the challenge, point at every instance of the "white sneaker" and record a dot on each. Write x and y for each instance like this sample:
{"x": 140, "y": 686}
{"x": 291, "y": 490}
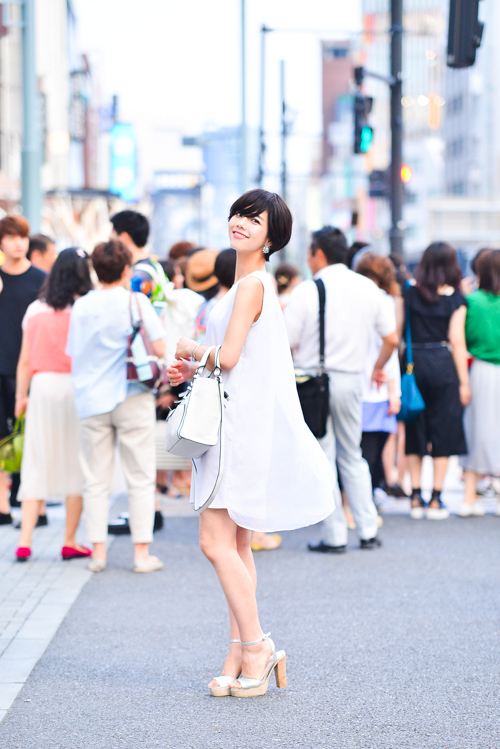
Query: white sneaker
{"x": 470, "y": 511}
{"x": 152, "y": 564}
{"x": 417, "y": 513}
{"x": 437, "y": 513}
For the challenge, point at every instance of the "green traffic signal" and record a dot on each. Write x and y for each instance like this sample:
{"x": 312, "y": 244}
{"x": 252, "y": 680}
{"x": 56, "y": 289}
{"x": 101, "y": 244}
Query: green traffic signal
{"x": 366, "y": 138}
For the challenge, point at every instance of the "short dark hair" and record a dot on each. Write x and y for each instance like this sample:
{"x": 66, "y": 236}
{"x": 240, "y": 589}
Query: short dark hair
{"x": 110, "y": 260}
{"x": 332, "y": 242}
{"x": 475, "y": 260}
{"x": 488, "y": 270}
{"x": 169, "y": 268}
{"x": 14, "y": 226}
{"x": 279, "y": 218}
{"x": 225, "y": 267}
{"x": 353, "y": 250}
{"x": 40, "y": 243}
{"x": 69, "y": 277}
{"x": 135, "y": 224}
{"x": 439, "y": 266}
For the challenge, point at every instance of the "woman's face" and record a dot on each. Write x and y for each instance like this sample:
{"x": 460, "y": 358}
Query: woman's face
{"x": 248, "y": 234}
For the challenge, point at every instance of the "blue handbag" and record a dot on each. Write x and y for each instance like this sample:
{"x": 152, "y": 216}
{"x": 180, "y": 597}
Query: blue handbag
{"x": 412, "y": 403}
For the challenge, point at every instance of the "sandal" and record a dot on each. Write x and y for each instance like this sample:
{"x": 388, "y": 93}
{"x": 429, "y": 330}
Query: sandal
{"x": 224, "y": 683}
{"x": 257, "y": 687}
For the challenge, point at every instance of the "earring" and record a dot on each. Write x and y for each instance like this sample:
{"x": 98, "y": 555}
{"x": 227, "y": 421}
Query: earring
{"x": 266, "y": 249}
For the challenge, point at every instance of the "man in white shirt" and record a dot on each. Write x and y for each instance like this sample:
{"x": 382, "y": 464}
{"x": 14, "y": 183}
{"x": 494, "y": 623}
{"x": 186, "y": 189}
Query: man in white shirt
{"x": 354, "y": 310}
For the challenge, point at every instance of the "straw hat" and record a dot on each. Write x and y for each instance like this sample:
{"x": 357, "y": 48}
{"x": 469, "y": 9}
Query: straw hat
{"x": 200, "y": 270}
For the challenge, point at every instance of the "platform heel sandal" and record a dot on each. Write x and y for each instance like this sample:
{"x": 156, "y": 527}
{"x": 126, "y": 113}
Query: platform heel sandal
{"x": 255, "y": 687}
{"x": 224, "y": 688}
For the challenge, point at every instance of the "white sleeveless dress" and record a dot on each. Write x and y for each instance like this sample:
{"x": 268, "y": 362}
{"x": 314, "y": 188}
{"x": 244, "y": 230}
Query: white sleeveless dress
{"x": 276, "y": 476}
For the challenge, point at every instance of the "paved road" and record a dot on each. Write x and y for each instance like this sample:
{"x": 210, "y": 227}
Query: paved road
{"x": 387, "y": 649}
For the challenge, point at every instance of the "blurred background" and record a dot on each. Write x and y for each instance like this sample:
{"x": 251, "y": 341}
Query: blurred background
{"x": 176, "y": 108}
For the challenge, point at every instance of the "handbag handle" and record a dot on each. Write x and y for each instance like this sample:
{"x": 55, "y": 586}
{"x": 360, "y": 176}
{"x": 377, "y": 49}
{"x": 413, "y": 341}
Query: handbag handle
{"x": 409, "y": 347}
{"x": 204, "y": 359}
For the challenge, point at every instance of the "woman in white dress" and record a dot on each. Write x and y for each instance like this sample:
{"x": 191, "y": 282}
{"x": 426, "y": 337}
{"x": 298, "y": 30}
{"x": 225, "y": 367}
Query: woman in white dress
{"x": 276, "y": 477}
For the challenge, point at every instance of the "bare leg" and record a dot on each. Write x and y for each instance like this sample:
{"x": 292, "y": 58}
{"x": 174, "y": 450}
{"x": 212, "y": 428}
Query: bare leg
{"x": 73, "y": 513}
{"x": 389, "y": 459}
{"x": 43, "y": 507}
{"x": 470, "y": 481}
{"x": 4, "y": 493}
{"x": 440, "y": 468}
{"x": 99, "y": 552}
{"x": 218, "y": 541}
{"x": 232, "y": 664}
{"x": 415, "y": 466}
{"x": 401, "y": 458}
{"x": 30, "y": 509}
{"x": 141, "y": 553}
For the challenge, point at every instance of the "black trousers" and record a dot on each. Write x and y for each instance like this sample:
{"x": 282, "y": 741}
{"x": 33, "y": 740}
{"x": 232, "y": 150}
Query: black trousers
{"x": 372, "y": 446}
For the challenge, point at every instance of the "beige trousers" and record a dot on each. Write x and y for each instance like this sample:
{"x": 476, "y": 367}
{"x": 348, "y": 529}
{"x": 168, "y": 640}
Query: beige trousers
{"x": 132, "y": 424}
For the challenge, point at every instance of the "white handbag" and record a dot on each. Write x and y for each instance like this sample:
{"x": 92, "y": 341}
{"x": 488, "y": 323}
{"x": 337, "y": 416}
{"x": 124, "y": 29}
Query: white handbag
{"x": 197, "y": 423}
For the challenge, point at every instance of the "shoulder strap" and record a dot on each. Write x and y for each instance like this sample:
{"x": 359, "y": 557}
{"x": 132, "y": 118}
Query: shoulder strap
{"x": 322, "y": 298}
{"x": 409, "y": 347}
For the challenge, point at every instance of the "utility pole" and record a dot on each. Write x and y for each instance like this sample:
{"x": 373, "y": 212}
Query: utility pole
{"x": 31, "y": 154}
{"x": 283, "y": 133}
{"x": 244, "y": 139}
{"x": 397, "y": 194}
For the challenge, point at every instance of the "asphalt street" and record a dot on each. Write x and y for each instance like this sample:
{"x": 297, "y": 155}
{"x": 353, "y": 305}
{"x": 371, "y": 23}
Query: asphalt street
{"x": 386, "y": 649}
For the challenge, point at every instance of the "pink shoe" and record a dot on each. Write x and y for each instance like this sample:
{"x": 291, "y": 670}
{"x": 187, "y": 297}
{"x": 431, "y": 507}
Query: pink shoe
{"x": 23, "y": 553}
{"x": 68, "y": 552}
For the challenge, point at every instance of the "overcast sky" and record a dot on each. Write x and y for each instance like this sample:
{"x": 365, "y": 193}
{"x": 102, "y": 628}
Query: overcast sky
{"x": 176, "y": 65}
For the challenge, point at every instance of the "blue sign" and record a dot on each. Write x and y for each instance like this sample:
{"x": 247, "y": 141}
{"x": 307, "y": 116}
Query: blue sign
{"x": 123, "y": 161}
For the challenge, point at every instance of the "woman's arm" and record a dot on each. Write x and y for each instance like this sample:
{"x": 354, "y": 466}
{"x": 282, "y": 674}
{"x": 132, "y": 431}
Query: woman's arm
{"x": 456, "y": 334}
{"x": 400, "y": 316}
{"x": 23, "y": 378}
{"x": 246, "y": 310}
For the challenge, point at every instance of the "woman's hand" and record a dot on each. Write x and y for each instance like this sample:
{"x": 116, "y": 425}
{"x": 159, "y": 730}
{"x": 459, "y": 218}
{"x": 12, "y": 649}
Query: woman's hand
{"x": 184, "y": 348}
{"x": 21, "y": 406}
{"x": 379, "y": 377}
{"x": 464, "y": 395}
{"x": 394, "y": 405}
{"x": 180, "y": 371}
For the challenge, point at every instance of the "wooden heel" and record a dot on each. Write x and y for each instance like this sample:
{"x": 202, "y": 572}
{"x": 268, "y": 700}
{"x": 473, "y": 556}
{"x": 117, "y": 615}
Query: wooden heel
{"x": 280, "y": 673}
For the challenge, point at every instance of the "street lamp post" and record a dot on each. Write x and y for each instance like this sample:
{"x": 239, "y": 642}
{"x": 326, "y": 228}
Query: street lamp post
{"x": 244, "y": 134}
{"x": 397, "y": 226}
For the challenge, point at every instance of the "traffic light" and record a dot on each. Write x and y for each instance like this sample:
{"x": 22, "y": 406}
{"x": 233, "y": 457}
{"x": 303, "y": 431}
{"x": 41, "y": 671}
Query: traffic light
{"x": 406, "y": 173}
{"x": 465, "y": 31}
{"x": 363, "y": 133}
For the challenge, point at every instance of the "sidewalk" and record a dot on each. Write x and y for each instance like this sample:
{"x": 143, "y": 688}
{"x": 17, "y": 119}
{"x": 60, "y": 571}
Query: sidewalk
{"x": 35, "y": 596}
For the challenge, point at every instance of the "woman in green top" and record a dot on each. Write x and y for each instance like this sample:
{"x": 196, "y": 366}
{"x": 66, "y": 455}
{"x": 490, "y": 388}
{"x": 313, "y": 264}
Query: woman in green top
{"x": 482, "y": 417}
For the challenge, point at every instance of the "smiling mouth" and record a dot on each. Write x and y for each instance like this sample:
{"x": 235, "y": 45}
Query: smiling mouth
{"x": 239, "y": 234}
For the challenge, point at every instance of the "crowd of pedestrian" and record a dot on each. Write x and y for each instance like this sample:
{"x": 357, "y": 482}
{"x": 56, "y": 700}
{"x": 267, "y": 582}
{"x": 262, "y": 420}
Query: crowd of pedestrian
{"x": 63, "y": 348}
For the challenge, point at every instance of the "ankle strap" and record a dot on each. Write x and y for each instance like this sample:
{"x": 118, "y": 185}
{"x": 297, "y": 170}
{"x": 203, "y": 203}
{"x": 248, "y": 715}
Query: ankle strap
{"x": 254, "y": 642}
{"x": 235, "y": 641}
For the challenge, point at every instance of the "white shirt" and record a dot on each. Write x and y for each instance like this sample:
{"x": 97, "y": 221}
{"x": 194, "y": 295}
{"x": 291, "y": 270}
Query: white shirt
{"x": 372, "y": 393}
{"x": 354, "y": 310}
{"x": 98, "y": 340}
